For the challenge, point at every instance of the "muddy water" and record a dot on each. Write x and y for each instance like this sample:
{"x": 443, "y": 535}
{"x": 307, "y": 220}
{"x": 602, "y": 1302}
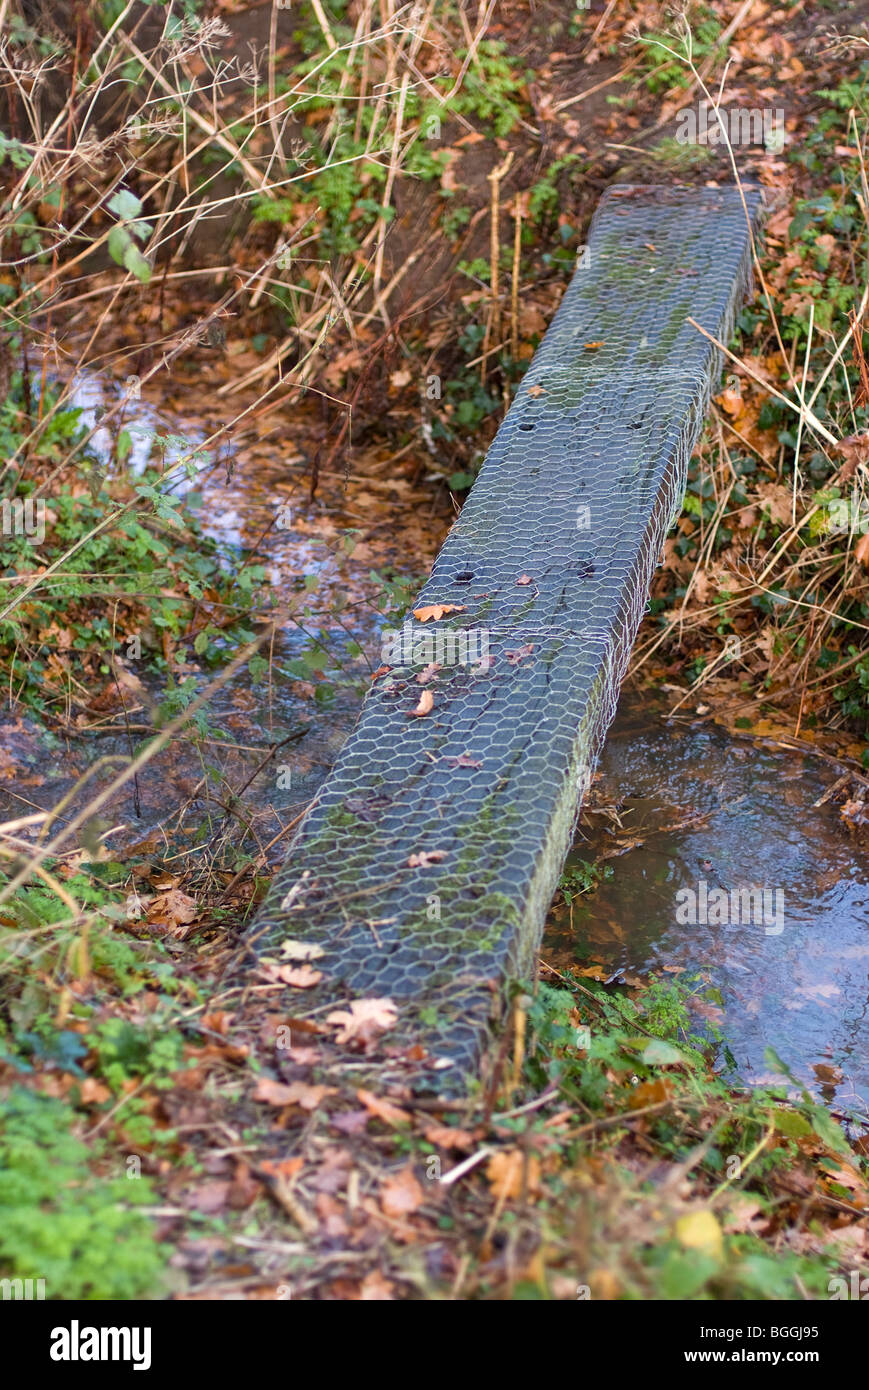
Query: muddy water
{"x": 700, "y": 807}
{"x": 677, "y": 806}
{"x": 235, "y": 494}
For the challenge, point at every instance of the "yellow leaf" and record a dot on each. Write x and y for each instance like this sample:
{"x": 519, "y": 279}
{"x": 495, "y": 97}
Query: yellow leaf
{"x": 699, "y": 1230}
{"x": 506, "y": 1169}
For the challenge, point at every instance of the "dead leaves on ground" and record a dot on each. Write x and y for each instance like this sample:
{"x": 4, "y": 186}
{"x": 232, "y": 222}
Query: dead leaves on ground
{"x": 172, "y": 912}
{"x": 383, "y": 1109}
{"x": 364, "y": 1021}
{"x": 513, "y": 1174}
{"x": 854, "y": 449}
{"x": 402, "y": 1194}
{"x": 279, "y": 1093}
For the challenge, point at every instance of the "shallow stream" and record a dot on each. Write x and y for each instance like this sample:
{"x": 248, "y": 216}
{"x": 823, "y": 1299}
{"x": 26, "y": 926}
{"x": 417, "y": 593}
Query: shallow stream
{"x": 684, "y": 815}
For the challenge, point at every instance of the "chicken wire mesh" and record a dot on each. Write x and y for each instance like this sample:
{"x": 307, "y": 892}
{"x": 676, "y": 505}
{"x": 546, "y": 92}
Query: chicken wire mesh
{"x": 426, "y": 864}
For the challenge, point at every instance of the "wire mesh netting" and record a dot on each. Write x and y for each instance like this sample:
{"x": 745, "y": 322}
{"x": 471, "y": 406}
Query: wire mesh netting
{"x": 426, "y": 865}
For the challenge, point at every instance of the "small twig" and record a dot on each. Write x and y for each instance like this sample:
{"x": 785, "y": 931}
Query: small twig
{"x": 493, "y": 330}
{"x": 514, "y": 299}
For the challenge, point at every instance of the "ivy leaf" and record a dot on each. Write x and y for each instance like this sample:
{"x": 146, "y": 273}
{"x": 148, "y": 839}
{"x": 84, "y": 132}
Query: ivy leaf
{"x": 136, "y": 264}
{"x": 828, "y": 1130}
{"x": 662, "y": 1054}
{"x": 125, "y": 205}
{"x": 119, "y": 240}
{"x": 791, "y": 1124}
{"x": 124, "y": 250}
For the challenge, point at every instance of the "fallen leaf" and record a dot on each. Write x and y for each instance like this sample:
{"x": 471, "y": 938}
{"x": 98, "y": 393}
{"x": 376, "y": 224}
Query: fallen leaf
{"x": 301, "y": 950}
{"x": 295, "y": 1093}
{"x": 364, "y": 1019}
{"x": 437, "y": 611}
{"x": 350, "y": 1121}
{"x": 730, "y": 400}
{"x": 744, "y": 1215}
{"x": 827, "y": 1075}
{"x": 525, "y": 579}
{"x": 425, "y": 706}
{"x": 401, "y": 1194}
{"x": 93, "y": 1092}
{"x": 333, "y": 1172}
{"x": 593, "y": 347}
{"x": 443, "y": 1137}
{"x": 504, "y": 1171}
{"x": 536, "y": 390}
{"x": 218, "y": 1022}
{"x": 426, "y": 857}
{"x": 603, "y": 1283}
{"x": 383, "y": 1109}
{"x": 649, "y": 1093}
{"x": 846, "y": 1176}
{"x": 381, "y": 671}
{"x": 273, "y": 1092}
{"x": 376, "y": 1289}
{"x": 284, "y": 1167}
{"x": 300, "y": 977}
{"x": 515, "y": 657}
{"x": 210, "y": 1197}
{"x": 854, "y": 449}
{"x": 429, "y": 673}
{"x": 854, "y": 813}
{"x": 172, "y": 910}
